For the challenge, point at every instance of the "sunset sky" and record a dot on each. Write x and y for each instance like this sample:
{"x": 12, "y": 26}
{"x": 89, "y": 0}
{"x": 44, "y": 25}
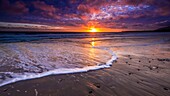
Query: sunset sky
{"x": 84, "y": 15}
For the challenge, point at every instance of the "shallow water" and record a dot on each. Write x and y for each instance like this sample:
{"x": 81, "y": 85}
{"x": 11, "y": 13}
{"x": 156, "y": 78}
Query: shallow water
{"x": 28, "y": 56}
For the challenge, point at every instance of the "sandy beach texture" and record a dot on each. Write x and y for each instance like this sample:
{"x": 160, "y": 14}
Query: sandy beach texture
{"x": 138, "y": 71}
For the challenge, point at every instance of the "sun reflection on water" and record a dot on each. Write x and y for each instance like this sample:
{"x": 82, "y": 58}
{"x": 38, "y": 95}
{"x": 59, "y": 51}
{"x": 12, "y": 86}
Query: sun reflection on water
{"x": 93, "y": 42}
{"x": 92, "y": 49}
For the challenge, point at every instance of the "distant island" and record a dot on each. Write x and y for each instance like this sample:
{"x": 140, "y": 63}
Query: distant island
{"x": 164, "y": 29}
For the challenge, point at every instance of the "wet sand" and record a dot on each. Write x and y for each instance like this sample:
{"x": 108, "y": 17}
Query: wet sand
{"x": 129, "y": 76}
{"x": 143, "y": 71}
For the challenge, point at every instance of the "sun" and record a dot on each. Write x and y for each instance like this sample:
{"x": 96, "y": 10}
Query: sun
{"x": 93, "y": 30}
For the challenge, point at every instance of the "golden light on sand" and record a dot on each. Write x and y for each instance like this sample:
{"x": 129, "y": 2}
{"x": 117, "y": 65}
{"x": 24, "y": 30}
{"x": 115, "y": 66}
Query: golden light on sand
{"x": 93, "y": 30}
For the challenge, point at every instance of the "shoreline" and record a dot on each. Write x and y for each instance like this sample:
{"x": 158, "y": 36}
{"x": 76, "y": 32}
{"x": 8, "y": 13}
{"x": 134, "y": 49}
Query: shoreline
{"x": 124, "y": 77}
{"x": 139, "y": 70}
{"x": 63, "y": 71}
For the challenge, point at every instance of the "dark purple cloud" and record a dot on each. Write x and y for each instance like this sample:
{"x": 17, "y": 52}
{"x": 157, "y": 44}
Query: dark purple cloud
{"x": 16, "y": 8}
{"x": 41, "y": 5}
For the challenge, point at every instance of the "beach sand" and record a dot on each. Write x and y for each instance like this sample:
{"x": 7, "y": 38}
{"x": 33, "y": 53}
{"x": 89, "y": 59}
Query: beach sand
{"x": 129, "y": 76}
{"x": 144, "y": 74}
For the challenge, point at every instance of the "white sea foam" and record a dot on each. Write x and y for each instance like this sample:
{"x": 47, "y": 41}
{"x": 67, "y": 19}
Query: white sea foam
{"x": 27, "y": 76}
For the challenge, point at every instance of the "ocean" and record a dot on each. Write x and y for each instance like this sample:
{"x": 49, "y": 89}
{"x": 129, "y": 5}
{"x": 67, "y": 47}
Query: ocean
{"x": 26, "y": 56}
